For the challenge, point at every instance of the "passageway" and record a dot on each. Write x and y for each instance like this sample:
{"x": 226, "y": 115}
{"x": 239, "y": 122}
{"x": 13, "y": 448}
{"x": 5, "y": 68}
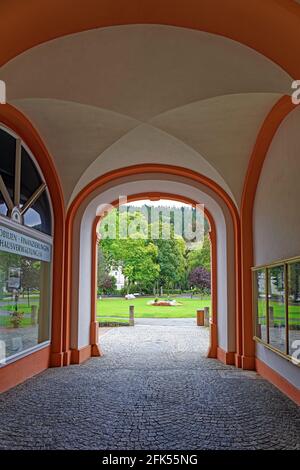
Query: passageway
{"x": 153, "y": 389}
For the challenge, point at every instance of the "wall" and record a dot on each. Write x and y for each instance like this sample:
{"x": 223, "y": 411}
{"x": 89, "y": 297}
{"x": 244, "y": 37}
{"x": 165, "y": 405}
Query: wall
{"x": 276, "y": 216}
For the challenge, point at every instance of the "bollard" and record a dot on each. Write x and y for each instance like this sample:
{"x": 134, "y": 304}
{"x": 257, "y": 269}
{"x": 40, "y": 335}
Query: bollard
{"x": 271, "y": 317}
{"x": 131, "y": 315}
{"x": 206, "y": 316}
{"x": 258, "y": 330}
{"x": 200, "y": 317}
{"x": 33, "y": 314}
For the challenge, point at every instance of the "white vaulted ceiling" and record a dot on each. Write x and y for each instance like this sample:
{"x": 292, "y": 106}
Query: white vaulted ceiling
{"x": 112, "y": 97}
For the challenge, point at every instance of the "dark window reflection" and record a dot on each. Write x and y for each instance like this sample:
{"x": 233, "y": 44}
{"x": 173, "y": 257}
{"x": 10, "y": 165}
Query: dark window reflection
{"x": 38, "y": 216}
{"x": 7, "y": 166}
{"x": 294, "y": 306}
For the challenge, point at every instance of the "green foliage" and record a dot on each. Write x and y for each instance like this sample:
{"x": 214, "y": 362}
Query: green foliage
{"x": 200, "y": 256}
{"x": 137, "y": 255}
{"x": 149, "y": 264}
{"x": 171, "y": 261}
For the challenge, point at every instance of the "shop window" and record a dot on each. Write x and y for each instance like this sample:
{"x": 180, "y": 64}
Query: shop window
{"x": 23, "y": 193}
{"x": 277, "y": 307}
{"x": 25, "y": 252}
{"x": 261, "y": 302}
{"x": 294, "y": 306}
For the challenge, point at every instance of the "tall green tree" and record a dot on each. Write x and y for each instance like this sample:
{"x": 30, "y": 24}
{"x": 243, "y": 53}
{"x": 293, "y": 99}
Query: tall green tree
{"x": 130, "y": 247}
{"x": 200, "y": 256}
{"x": 171, "y": 261}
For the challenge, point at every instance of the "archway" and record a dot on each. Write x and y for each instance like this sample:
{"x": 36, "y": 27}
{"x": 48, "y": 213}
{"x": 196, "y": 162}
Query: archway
{"x": 213, "y": 351}
{"x": 182, "y": 183}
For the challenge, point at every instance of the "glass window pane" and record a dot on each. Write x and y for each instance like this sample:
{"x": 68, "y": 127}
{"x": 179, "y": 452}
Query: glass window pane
{"x": 294, "y": 306}
{"x": 24, "y": 303}
{"x": 39, "y": 215}
{"x": 277, "y": 316}
{"x": 7, "y": 166}
{"x": 261, "y": 304}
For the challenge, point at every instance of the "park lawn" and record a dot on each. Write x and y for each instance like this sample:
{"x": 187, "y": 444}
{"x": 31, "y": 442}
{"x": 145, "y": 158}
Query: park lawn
{"x": 279, "y": 312}
{"x": 109, "y": 308}
{"x": 21, "y": 307}
{"x": 5, "y": 322}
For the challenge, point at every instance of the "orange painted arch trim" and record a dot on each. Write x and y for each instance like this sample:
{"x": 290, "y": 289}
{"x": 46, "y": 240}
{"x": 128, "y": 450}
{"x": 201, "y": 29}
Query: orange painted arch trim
{"x": 140, "y": 170}
{"x": 212, "y": 352}
{"x": 264, "y": 139}
{"x": 251, "y": 23}
{"x": 18, "y": 123}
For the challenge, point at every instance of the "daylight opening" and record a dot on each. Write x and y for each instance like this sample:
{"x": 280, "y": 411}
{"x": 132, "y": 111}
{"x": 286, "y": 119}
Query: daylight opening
{"x": 154, "y": 266}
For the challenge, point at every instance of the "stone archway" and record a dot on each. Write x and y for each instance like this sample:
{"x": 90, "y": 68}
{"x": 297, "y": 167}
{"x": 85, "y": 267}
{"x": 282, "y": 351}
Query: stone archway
{"x": 83, "y": 213}
{"x": 213, "y": 342}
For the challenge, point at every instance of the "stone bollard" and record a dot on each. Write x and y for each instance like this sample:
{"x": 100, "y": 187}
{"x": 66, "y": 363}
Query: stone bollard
{"x": 33, "y": 314}
{"x": 206, "y": 316}
{"x": 271, "y": 317}
{"x": 258, "y": 331}
{"x": 131, "y": 315}
{"x": 200, "y": 317}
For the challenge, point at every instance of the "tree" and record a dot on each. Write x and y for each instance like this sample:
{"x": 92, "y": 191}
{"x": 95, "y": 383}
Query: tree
{"x": 171, "y": 261}
{"x": 107, "y": 284}
{"x": 136, "y": 254}
{"x": 294, "y": 281}
{"x": 201, "y": 256}
{"x": 200, "y": 278}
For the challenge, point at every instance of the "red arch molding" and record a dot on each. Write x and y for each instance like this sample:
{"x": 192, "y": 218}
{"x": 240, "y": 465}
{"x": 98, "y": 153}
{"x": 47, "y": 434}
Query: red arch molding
{"x": 213, "y": 351}
{"x": 266, "y": 134}
{"x": 18, "y": 371}
{"x": 271, "y": 27}
{"x": 139, "y": 170}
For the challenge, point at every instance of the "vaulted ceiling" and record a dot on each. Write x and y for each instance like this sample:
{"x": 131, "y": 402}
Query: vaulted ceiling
{"x": 115, "y": 96}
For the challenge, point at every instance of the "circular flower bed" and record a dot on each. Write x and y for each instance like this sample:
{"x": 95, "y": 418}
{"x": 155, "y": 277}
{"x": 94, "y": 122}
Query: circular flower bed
{"x": 164, "y": 303}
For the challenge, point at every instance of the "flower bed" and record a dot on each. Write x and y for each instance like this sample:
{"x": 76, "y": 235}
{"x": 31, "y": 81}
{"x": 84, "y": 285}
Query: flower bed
{"x": 164, "y": 303}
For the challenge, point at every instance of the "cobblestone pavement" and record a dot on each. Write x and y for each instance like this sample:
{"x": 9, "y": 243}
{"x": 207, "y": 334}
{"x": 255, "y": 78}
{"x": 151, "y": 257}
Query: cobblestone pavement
{"x": 153, "y": 389}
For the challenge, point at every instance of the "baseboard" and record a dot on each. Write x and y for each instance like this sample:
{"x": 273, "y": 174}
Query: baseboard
{"x": 227, "y": 358}
{"x": 278, "y": 381}
{"x": 78, "y": 356}
{"x": 238, "y": 360}
{"x": 17, "y": 372}
{"x": 96, "y": 350}
{"x": 248, "y": 362}
{"x": 56, "y": 359}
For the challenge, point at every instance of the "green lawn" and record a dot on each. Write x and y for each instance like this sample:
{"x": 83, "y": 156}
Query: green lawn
{"x": 279, "y": 312}
{"x": 5, "y": 321}
{"x": 108, "y": 309}
{"x": 21, "y": 307}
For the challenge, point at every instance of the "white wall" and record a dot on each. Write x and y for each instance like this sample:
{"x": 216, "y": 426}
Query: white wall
{"x": 276, "y": 216}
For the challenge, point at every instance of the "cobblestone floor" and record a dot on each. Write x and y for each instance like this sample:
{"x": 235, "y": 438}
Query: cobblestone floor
{"x": 153, "y": 389}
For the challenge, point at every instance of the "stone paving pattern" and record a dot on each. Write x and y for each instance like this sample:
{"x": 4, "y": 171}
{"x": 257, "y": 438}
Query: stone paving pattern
{"x": 153, "y": 389}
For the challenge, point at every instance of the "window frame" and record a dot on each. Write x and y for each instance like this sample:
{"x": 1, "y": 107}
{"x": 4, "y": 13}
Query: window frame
{"x": 285, "y": 263}
{"x": 27, "y": 149}
{"x": 40, "y": 236}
